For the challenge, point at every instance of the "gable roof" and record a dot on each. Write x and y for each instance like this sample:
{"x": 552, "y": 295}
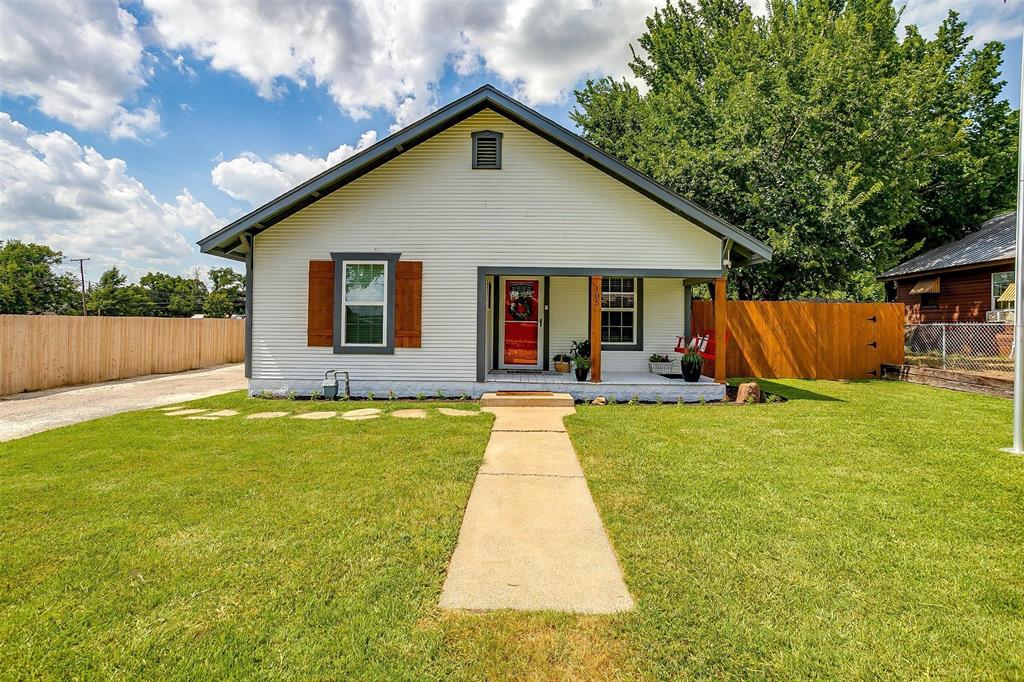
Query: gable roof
{"x": 227, "y": 241}
{"x": 993, "y": 241}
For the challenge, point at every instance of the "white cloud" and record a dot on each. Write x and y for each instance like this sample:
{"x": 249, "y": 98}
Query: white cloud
{"x": 82, "y": 61}
{"x": 249, "y": 178}
{"x": 68, "y": 196}
{"x": 391, "y": 55}
{"x": 992, "y": 20}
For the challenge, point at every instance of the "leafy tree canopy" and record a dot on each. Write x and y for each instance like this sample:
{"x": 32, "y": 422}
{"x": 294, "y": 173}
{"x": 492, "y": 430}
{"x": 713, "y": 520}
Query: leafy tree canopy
{"x": 28, "y": 283}
{"x": 818, "y": 130}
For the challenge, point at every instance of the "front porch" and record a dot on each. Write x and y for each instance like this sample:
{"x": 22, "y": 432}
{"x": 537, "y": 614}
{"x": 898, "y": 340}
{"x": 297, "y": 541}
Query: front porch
{"x": 621, "y": 386}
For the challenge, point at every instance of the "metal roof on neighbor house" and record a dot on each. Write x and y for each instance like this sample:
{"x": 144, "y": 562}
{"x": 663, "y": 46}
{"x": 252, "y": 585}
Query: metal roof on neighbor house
{"x": 228, "y": 241}
{"x": 993, "y": 241}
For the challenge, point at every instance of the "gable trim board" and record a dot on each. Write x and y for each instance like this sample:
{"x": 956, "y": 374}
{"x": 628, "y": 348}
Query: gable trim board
{"x": 227, "y": 241}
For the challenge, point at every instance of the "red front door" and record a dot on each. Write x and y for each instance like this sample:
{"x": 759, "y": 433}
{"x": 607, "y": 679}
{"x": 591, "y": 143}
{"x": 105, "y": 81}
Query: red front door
{"x": 522, "y": 322}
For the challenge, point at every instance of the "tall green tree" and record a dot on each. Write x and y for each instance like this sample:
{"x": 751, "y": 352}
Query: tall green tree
{"x": 112, "y": 295}
{"x": 29, "y": 283}
{"x": 173, "y": 295}
{"x": 817, "y": 129}
{"x": 227, "y": 296}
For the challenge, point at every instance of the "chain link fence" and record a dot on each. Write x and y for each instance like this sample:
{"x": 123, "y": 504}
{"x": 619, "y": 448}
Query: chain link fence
{"x": 981, "y": 347}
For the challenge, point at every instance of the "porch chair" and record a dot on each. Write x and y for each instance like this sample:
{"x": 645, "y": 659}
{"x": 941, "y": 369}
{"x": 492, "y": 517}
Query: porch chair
{"x": 704, "y": 343}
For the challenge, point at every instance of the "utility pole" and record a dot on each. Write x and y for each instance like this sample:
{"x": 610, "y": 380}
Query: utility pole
{"x": 81, "y": 270}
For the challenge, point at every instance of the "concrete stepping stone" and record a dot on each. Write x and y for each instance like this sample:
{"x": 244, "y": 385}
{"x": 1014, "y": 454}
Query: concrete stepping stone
{"x": 178, "y": 413}
{"x": 327, "y": 414}
{"x": 224, "y": 413}
{"x": 205, "y": 417}
{"x": 362, "y": 412}
{"x": 452, "y": 412}
{"x": 170, "y": 407}
{"x": 266, "y": 415}
{"x": 410, "y": 414}
{"x": 359, "y": 417}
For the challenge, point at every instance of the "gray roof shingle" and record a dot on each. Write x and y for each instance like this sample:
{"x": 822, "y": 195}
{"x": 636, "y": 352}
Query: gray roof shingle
{"x": 993, "y": 241}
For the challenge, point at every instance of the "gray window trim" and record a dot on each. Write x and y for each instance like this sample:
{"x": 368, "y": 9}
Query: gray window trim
{"x": 389, "y": 332}
{"x": 638, "y": 320}
{"x": 488, "y": 134}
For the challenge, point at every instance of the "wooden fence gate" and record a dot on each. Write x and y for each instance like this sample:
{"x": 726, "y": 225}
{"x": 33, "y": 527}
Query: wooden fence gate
{"x": 806, "y": 339}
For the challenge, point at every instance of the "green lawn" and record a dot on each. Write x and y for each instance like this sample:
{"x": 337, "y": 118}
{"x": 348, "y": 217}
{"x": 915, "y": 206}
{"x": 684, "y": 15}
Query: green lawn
{"x": 858, "y": 530}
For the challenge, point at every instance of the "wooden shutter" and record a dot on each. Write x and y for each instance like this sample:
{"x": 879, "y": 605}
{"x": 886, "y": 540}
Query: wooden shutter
{"x": 320, "y": 318}
{"x": 408, "y": 303}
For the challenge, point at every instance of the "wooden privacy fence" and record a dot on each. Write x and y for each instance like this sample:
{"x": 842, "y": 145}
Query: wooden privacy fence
{"x": 46, "y": 351}
{"x": 807, "y": 339}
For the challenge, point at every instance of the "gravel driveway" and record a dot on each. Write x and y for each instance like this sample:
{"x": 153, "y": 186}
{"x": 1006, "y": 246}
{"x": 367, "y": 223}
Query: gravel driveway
{"x": 27, "y": 413}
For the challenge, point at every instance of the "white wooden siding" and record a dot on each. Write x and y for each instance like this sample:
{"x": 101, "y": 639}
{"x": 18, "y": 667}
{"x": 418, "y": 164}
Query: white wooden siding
{"x": 544, "y": 208}
{"x": 663, "y": 320}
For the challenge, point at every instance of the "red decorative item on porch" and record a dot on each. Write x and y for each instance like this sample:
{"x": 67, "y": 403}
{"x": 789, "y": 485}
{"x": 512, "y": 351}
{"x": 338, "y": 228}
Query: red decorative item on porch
{"x": 705, "y": 345}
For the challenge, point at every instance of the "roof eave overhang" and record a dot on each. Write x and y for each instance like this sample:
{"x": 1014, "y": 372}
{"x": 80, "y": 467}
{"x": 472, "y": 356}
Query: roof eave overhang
{"x": 219, "y": 243}
{"x": 885, "y": 277}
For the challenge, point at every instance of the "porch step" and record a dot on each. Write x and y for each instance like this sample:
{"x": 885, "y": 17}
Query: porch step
{"x": 526, "y": 399}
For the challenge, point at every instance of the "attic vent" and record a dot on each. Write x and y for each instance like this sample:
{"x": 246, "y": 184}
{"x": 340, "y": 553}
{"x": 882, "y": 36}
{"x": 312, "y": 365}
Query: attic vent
{"x": 486, "y": 149}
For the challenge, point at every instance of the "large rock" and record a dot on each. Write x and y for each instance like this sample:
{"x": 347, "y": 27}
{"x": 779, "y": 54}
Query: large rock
{"x": 599, "y": 400}
{"x": 749, "y": 392}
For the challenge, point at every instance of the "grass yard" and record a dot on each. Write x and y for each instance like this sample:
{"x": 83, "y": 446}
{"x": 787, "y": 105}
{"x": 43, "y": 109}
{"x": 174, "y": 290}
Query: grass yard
{"x": 858, "y": 530}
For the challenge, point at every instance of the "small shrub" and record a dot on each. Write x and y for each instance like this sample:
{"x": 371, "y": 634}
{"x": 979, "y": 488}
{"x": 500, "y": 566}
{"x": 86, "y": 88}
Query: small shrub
{"x": 293, "y": 394}
{"x": 773, "y": 398}
{"x": 463, "y": 396}
{"x": 703, "y": 400}
{"x": 658, "y": 400}
{"x": 679, "y": 401}
{"x": 440, "y": 394}
{"x": 612, "y": 400}
{"x": 420, "y": 396}
{"x": 392, "y": 395}
{"x": 369, "y": 396}
{"x": 751, "y": 399}
{"x": 315, "y": 394}
{"x": 635, "y": 400}
{"x": 266, "y": 394}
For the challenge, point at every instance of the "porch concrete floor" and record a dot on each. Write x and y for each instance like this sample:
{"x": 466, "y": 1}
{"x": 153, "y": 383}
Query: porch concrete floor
{"x": 610, "y": 378}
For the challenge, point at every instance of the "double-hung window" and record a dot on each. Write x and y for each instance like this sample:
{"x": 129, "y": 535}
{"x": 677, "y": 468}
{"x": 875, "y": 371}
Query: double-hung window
{"x": 1001, "y": 281}
{"x": 364, "y": 303}
{"x": 620, "y": 313}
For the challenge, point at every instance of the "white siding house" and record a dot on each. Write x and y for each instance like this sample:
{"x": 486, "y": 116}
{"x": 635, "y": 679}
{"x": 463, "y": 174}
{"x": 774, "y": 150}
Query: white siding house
{"x": 549, "y": 217}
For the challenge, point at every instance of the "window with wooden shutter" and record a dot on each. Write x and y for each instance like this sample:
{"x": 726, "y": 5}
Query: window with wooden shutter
{"x": 320, "y": 306}
{"x": 408, "y": 304}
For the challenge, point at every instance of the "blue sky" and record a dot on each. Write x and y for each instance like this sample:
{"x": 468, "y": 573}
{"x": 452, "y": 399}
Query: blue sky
{"x": 128, "y": 131}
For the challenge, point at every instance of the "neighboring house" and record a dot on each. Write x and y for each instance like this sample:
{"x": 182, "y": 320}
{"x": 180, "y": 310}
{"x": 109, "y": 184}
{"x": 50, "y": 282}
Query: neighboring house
{"x": 963, "y": 281}
{"x": 464, "y": 251}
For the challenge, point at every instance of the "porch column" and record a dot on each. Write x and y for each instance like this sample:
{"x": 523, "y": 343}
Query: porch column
{"x": 721, "y": 320}
{"x": 595, "y": 329}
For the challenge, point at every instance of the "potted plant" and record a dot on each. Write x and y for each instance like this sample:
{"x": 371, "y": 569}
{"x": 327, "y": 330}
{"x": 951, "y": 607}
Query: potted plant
{"x": 691, "y": 364}
{"x": 579, "y": 351}
{"x": 581, "y": 366}
{"x": 659, "y": 364}
{"x": 562, "y": 363}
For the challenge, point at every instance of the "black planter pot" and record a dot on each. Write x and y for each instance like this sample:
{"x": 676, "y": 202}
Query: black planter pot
{"x": 581, "y": 373}
{"x": 691, "y": 372}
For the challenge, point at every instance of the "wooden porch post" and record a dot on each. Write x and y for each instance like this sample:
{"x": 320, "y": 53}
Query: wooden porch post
{"x": 721, "y": 321}
{"x": 595, "y": 329}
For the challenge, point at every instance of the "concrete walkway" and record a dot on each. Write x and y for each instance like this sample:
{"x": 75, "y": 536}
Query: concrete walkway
{"x": 531, "y": 538}
{"x": 27, "y": 413}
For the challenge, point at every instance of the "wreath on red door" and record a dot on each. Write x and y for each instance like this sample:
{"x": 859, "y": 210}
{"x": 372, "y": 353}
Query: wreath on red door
{"x": 520, "y": 309}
